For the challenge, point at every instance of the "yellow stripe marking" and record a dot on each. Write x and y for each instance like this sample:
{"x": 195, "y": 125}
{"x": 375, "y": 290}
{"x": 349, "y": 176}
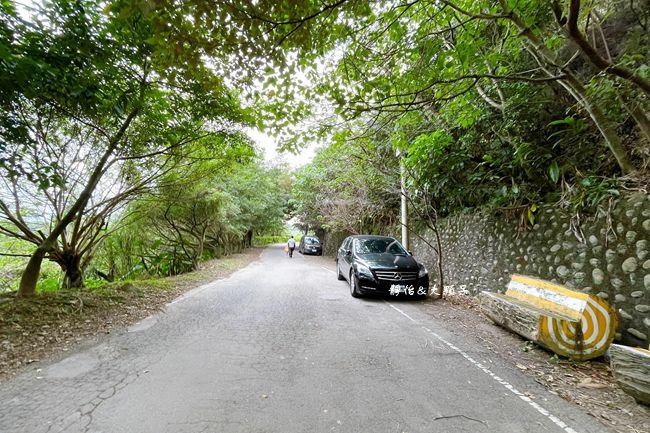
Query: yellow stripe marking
{"x": 545, "y": 304}
{"x": 546, "y": 285}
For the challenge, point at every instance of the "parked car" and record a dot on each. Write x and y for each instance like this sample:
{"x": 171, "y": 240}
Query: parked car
{"x": 380, "y": 264}
{"x": 310, "y": 245}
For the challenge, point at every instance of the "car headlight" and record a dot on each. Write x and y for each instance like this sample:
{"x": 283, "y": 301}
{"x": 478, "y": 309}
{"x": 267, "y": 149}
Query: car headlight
{"x": 423, "y": 272}
{"x": 364, "y": 270}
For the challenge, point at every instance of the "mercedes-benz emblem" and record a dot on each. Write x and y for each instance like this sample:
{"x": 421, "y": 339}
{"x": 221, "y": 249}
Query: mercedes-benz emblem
{"x": 397, "y": 276}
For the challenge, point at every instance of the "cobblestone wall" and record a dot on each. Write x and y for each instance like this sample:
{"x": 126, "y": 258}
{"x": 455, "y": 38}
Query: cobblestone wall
{"x": 606, "y": 256}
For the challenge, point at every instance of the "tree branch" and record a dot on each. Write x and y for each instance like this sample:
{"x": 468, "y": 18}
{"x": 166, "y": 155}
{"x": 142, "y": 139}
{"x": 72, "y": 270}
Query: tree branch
{"x": 601, "y": 63}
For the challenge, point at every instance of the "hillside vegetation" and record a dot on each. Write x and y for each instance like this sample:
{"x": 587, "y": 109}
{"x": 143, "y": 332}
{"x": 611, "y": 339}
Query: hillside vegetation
{"x": 123, "y": 131}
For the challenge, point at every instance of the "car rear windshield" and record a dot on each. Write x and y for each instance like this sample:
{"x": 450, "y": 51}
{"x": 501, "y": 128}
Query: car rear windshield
{"x": 312, "y": 241}
{"x": 378, "y": 246}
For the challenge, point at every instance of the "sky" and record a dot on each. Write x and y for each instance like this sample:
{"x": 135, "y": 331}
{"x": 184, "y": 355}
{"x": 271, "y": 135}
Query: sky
{"x": 269, "y": 145}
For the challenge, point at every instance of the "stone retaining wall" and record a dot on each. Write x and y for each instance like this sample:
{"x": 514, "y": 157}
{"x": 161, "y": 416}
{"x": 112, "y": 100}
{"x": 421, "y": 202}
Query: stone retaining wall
{"x": 604, "y": 255}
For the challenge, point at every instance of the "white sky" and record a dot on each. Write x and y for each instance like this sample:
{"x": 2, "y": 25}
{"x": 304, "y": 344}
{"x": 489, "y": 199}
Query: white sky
{"x": 269, "y": 145}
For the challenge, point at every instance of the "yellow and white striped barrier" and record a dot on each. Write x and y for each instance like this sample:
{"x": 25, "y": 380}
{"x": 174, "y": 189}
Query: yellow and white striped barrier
{"x": 572, "y": 324}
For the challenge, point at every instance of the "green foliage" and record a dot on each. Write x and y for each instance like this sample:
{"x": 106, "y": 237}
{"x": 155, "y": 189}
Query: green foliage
{"x": 96, "y": 112}
{"x": 195, "y": 214}
{"x": 103, "y": 62}
{"x": 351, "y": 187}
{"x": 528, "y": 346}
{"x": 591, "y": 193}
{"x": 49, "y": 284}
{"x": 554, "y": 172}
{"x": 12, "y": 265}
{"x": 470, "y": 93}
{"x": 530, "y": 214}
{"x": 260, "y": 241}
{"x": 487, "y": 130}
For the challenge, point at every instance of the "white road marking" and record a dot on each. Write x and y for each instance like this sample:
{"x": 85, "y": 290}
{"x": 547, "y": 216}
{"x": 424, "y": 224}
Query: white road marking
{"x": 327, "y": 269}
{"x": 557, "y": 421}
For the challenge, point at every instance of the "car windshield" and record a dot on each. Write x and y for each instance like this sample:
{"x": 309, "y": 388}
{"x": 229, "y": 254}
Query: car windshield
{"x": 312, "y": 241}
{"x": 378, "y": 246}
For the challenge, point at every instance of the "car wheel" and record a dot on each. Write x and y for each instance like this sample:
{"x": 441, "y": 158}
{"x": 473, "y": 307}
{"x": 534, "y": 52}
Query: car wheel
{"x": 354, "y": 284}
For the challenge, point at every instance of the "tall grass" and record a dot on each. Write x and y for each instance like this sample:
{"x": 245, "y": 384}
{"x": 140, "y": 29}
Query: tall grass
{"x": 260, "y": 241}
{"x": 51, "y": 276}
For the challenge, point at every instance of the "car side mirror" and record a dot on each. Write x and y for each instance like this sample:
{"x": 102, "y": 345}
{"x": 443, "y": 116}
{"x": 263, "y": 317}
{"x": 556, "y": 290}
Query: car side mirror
{"x": 410, "y": 253}
{"x": 348, "y": 252}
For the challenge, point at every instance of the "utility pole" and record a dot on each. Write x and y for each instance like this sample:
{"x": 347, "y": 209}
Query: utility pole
{"x": 404, "y": 207}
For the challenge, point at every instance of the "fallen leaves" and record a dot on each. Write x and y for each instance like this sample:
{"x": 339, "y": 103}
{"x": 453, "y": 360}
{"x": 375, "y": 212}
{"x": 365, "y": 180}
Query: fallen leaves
{"x": 588, "y": 382}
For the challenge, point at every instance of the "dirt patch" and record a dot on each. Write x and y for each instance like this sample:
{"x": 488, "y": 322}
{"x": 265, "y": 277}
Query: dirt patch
{"x": 53, "y": 323}
{"x": 588, "y": 384}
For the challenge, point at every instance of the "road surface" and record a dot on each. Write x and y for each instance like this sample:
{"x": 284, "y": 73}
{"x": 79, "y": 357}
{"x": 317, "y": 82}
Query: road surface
{"x": 281, "y": 346}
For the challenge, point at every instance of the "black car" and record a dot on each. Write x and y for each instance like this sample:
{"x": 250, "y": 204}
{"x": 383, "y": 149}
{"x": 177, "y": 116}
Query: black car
{"x": 310, "y": 245}
{"x": 380, "y": 264}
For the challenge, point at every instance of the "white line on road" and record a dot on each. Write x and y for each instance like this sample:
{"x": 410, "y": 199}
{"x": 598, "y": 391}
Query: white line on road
{"x": 557, "y": 421}
{"x": 327, "y": 269}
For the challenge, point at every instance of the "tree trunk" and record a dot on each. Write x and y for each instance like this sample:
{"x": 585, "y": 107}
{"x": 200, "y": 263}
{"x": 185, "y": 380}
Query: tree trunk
{"x": 32, "y": 270}
{"x": 73, "y": 279}
{"x": 567, "y": 322}
{"x": 631, "y": 368}
{"x": 606, "y": 127}
{"x": 248, "y": 239}
{"x": 27, "y": 287}
{"x": 108, "y": 277}
{"x": 547, "y": 59}
{"x": 511, "y": 314}
{"x": 641, "y": 118}
{"x": 73, "y": 276}
{"x": 73, "y": 273}
{"x": 198, "y": 254}
{"x": 603, "y": 64}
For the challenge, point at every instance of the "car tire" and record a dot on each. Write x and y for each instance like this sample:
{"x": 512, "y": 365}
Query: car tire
{"x": 354, "y": 284}
{"x": 339, "y": 275}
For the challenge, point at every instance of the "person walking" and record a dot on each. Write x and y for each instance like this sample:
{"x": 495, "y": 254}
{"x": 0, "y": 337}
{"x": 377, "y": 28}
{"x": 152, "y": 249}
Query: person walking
{"x": 291, "y": 244}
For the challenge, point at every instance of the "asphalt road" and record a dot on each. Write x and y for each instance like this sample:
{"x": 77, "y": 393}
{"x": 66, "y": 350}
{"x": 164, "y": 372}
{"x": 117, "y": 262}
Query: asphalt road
{"x": 280, "y": 346}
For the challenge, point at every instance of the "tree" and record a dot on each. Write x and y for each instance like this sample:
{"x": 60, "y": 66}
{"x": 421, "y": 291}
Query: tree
{"x": 203, "y": 211}
{"x": 456, "y": 45}
{"x": 398, "y": 56}
{"x": 349, "y": 187}
{"x": 106, "y": 78}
